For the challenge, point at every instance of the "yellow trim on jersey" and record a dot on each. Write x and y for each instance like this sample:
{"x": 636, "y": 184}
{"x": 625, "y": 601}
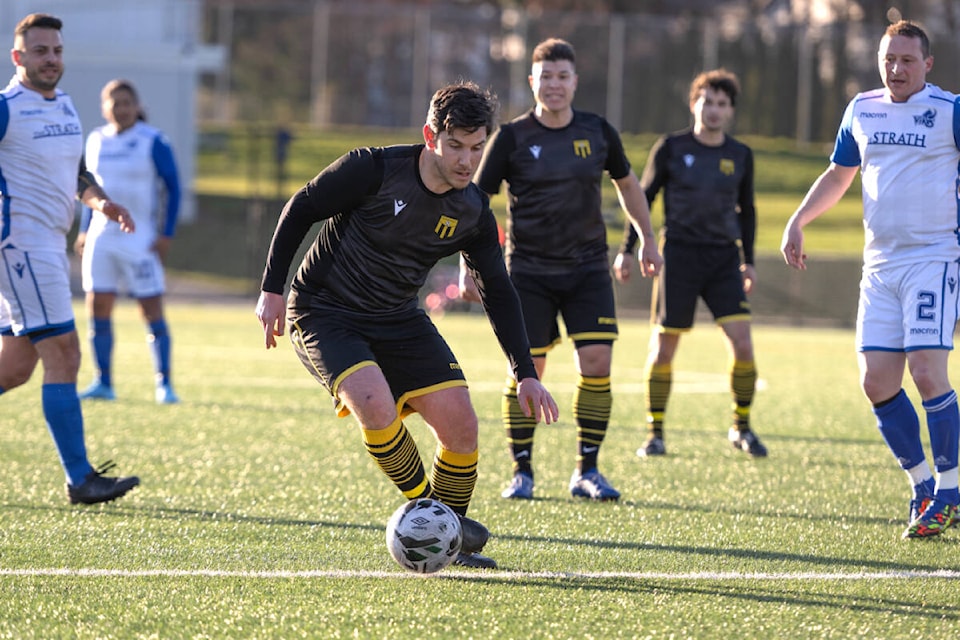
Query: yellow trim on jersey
{"x": 734, "y": 318}
{"x": 404, "y": 410}
{"x": 341, "y": 409}
{"x": 593, "y": 335}
{"x": 674, "y": 331}
{"x": 542, "y": 351}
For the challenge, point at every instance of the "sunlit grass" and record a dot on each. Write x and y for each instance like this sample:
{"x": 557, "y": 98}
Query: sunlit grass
{"x": 252, "y": 474}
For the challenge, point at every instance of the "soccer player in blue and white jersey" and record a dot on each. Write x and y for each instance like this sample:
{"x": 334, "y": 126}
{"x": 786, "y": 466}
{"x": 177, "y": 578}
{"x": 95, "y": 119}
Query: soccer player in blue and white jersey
{"x": 904, "y": 140}
{"x": 41, "y": 172}
{"x": 130, "y": 159}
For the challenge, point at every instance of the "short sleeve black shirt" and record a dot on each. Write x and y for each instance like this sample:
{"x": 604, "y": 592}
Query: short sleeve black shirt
{"x": 555, "y": 223}
{"x": 707, "y": 190}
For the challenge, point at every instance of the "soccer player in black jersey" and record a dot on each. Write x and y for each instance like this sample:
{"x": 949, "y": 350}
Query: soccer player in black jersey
{"x": 707, "y": 241}
{"x": 553, "y": 159}
{"x": 388, "y": 215}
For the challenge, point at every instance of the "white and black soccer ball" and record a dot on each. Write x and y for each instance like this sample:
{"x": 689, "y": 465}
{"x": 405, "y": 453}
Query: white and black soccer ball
{"x": 424, "y": 535}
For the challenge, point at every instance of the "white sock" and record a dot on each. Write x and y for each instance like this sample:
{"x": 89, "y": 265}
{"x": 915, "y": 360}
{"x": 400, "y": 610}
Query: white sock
{"x": 920, "y": 473}
{"x": 947, "y": 479}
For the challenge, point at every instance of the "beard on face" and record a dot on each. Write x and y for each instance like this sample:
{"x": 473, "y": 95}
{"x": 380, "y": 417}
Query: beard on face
{"x": 38, "y": 81}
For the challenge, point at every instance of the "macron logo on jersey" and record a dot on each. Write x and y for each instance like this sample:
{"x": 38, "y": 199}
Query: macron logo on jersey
{"x": 535, "y": 150}
{"x": 398, "y": 206}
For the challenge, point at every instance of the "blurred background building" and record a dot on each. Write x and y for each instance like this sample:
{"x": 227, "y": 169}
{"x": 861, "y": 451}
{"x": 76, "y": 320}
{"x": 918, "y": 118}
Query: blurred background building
{"x": 156, "y": 44}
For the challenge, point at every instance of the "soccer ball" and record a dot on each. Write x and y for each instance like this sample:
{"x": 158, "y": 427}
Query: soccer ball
{"x": 424, "y": 535}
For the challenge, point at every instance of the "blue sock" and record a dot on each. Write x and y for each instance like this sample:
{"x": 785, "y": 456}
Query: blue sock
{"x": 900, "y": 428}
{"x": 943, "y": 422}
{"x": 159, "y": 339}
{"x": 61, "y": 408}
{"x": 925, "y": 488}
{"x": 102, "y": 340}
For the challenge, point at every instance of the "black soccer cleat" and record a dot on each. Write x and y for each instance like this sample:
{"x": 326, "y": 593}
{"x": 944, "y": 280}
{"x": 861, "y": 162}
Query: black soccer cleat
{"x": 746, "y": 441}
{"x": 99, "y": 488}
{"x": 475, "y": 561}
{"x": 475, "y": 536}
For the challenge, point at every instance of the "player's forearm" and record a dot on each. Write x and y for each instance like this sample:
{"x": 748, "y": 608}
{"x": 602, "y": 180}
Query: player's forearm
{"x": 825, "y": 192}
{"x": 634, "y": 203}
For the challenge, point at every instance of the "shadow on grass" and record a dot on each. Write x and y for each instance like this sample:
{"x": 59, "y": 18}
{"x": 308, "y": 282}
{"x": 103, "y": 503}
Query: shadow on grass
{"x": 825, "y": 598}
{"x": 203, "y": 515}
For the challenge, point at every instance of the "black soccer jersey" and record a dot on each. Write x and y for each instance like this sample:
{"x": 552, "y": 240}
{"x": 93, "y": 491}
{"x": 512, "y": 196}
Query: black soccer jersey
{"x": 382, "y": 233}
{"x": 555, "y": 224}
{"x": 707, "y": 190}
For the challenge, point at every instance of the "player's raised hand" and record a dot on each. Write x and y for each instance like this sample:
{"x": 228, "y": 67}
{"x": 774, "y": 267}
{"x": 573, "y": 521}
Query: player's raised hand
{"x": 272, "y": 313}
{"x": 536, "y": 402}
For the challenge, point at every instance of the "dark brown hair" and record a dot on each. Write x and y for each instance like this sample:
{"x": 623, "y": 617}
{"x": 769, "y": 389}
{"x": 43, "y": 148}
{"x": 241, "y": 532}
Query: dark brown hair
{"x": 718, "y": 80}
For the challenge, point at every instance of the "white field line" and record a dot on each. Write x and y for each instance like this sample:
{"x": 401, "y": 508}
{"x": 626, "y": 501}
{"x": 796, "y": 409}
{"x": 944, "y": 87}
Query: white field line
{"x": 708, "y": 576}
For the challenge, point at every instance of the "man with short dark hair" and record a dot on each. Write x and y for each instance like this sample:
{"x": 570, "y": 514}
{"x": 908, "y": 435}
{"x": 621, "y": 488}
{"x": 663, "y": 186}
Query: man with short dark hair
{"x": 41, "y": 149}
{"x": 553, "y": 159}
{"x": 388, "y": 215}
{"x": 709, "y": 227}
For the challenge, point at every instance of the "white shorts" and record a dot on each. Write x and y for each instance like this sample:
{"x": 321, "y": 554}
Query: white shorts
{"x": 110, "y": 262}
{"x": 908, "y": 308}
{"x": 35, "y": 292}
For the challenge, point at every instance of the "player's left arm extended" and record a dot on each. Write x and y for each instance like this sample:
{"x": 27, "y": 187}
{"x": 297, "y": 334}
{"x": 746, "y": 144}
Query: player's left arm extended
{"x": 484, "y": 261}
{"x": 90, "y": 193}
{"x": 634, "y": 202}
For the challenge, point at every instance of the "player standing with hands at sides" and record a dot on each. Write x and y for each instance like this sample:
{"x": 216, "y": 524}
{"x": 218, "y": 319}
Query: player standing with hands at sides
{"x": 41, "y": 161}
{"x": 388, "y": 215}
{"x": 710, "y": 223}
{"x": 903, "y": 139}
{"x": 553, "y": 159}
{"x": 129, "y": 158}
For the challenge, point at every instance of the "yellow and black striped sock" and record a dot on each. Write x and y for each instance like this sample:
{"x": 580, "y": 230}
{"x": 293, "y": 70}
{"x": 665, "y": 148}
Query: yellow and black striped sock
{"x": 396, "y": 454}
{"x": 591, "y": 410}
{"x": 743, "y": 384}
{"x": 659, "y": 381}
{"x": 519, "y": 429}
{"x": 454, "y": 476}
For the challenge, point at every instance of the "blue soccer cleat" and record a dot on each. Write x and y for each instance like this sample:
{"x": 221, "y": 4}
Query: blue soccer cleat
{"x": 935, "y": 519}
{"x": 922, "y": 497}
{"x": 166, "y": 395}
{"x": 652, "y": 447}
{"x": 521, "y": 487}
{"x": 592, "y": 485}
{"x": 97, "y": 391}
{"x": 746, "y": 441}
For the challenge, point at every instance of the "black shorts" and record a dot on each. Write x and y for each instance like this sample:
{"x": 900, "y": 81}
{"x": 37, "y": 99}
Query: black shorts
{"x": 699, "y": 271}
{"x": 584, "y": 300}
{"x": 332, "y": 343}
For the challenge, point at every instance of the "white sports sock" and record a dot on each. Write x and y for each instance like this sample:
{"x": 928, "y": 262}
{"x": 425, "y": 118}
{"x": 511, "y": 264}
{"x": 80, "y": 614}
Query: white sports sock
{"x": 919, "y": 473}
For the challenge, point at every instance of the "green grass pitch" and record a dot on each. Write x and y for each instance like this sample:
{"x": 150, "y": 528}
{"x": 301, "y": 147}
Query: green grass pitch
{"x": 260, "y": 514}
